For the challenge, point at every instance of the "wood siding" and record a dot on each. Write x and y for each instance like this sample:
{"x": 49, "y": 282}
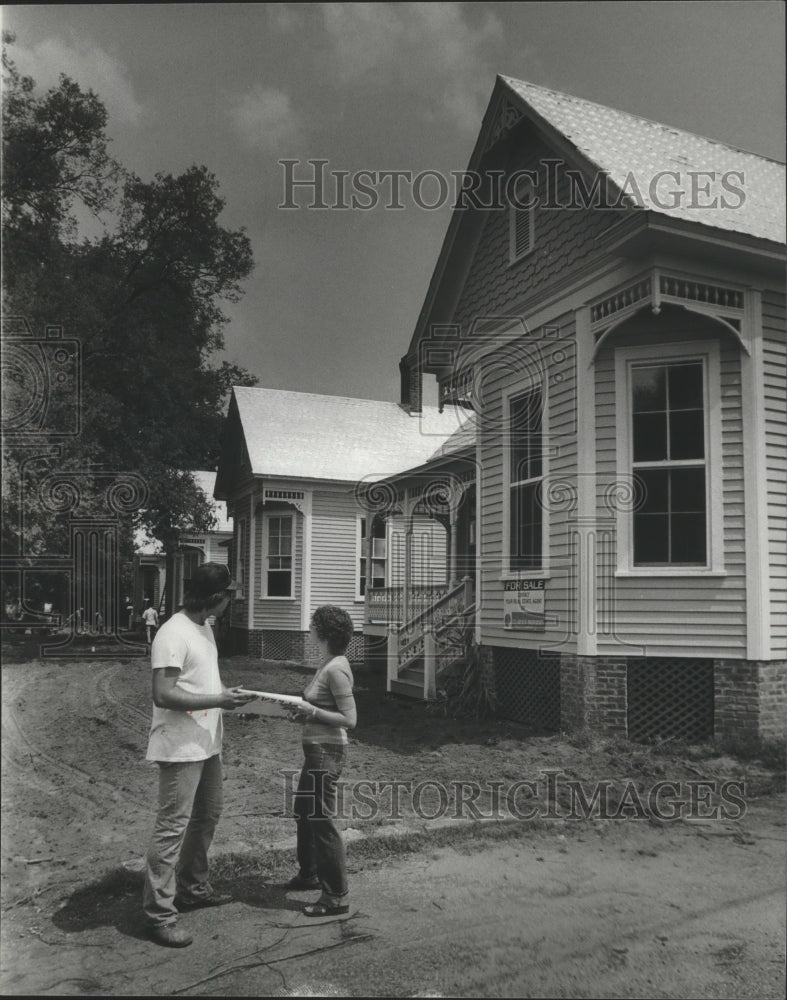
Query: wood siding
{"x": 560, "y": 469}
{"x": 774, "y": 386}
{"x": 564, "y": 241}
{"x": 675, "y": 615}
{"x": 278, "y": 612}
{"x": 334, "y": 528}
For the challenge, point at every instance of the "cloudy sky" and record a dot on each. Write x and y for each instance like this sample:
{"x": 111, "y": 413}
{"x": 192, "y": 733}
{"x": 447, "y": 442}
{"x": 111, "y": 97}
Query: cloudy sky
{"x": 335, "y": 295}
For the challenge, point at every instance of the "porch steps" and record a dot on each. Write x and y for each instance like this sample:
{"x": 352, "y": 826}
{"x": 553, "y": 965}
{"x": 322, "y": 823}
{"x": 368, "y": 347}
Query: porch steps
{"x": 410, "y": 683}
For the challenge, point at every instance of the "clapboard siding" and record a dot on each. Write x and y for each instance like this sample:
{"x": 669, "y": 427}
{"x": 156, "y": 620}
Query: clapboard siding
{"x": 429, "y": 556}
{"x": 775, "y": 392}
{"x": 561, "y": 471}
{"x": 676, "y": 615}
{"x": 334, "y": 540}
{"x": 278, "y": 613}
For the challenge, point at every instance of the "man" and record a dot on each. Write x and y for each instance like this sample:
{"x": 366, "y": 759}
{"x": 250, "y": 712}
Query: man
{"x": 150, "y": 618}
{"x": 185, "y": 741}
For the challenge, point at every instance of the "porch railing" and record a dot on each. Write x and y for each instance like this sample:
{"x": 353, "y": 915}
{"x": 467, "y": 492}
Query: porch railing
{"x": 386, "y": 604}
{"x": 431, "y": 636}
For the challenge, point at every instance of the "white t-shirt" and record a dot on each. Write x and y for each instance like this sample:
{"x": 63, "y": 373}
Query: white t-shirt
{"x": 149, "y": 616}
{"x": 183, "y": 736}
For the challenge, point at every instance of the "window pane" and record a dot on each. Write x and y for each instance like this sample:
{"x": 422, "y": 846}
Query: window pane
{"x": 526, "y": 523}
{"x": 278, "y": 584}
{"x": 687, "y": 434}
{"x": 655, "y": 484}
{"x": 688, "y": 491}
{"x": 650, "y": 437}
{"x": 685, "y": 386}
{"x": 651, "y": 538}
{"x": 525, "y": 428}
{"x": 648, "y": 389}
{"x": 688, "y": 539}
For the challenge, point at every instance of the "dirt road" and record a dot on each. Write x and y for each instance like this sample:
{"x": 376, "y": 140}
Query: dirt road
{"x": 551, "y": 908}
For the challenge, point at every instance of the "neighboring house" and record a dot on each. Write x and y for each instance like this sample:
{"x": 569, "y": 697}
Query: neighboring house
{"x": 295, "y": 471}
{"x": 194, "y": 549}
{"x": 625, "y": 360}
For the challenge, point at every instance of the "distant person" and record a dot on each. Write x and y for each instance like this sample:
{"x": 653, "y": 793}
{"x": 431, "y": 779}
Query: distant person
{"x": 330, "y": 711}
{"x": 150, "y": 618}
{"x": 185, "y": 741}
{"x": 130, "y": 613}
{"x": 99, "y": 623}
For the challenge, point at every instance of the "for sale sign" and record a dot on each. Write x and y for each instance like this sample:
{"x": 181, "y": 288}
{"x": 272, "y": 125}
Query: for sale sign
{"x": 523, "y": 605}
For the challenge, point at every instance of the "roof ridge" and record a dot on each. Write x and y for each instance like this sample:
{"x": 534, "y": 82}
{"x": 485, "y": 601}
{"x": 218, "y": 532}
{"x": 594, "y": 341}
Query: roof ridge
{"x": 650, "y": 121}
{"x": 330, "y": 395}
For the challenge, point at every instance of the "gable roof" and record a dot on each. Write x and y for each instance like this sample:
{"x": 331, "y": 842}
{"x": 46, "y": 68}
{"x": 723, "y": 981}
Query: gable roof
{"x": 302, "y": 435}
{"x": 620, "y": 143}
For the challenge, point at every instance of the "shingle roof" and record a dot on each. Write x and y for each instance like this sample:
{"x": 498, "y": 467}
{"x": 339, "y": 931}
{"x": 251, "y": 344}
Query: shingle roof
{"x": 620, "y": 143}
{"x": 301, "y": 435}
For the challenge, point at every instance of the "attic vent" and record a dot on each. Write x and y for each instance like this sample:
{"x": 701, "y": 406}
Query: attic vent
{"x": 522, "y": 221}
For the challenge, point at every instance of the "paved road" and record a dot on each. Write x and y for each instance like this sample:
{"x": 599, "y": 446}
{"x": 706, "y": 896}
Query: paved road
{"x": 613, "y": 910}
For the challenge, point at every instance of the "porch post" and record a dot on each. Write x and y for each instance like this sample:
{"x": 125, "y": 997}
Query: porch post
{"x": 409, "y": 509}
{"x": 392, "y": 657}
{"x": 430, "y": 666}
{"x": 367, "y": 611}
{"x": 453, "y": 523}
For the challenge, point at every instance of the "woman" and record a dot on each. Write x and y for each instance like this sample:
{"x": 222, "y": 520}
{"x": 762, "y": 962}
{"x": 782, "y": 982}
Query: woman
{"x": 328, "y": 713}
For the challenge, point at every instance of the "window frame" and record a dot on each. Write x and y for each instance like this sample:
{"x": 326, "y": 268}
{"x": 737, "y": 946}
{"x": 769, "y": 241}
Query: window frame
{"x": 626, "y": 359}
{"x": 360, "y": 554}
{"x": 266, "y": 521}
{"x": 511, "y": 393}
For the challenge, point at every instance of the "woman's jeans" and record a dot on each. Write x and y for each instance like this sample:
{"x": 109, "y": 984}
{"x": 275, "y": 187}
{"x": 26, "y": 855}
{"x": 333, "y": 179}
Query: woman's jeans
{"x": 190, "y": 801}
{"x": 320, "y": 845}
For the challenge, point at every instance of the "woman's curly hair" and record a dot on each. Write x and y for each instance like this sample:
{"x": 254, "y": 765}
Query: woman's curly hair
{"x": 334, "y": 626}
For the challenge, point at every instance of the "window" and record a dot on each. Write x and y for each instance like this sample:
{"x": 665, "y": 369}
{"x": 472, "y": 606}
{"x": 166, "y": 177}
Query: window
{"x": 379, "y": 554}
{"x": 278, "y": 575}
{"x": 669, "y": 445}
{"x": 240, "y": 558}
{"x": 525, "y": 513}
{"x": 521, "y": 221}
{"x": 668, "y": 458}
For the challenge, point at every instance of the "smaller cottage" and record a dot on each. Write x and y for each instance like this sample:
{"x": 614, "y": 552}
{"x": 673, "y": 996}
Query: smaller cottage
{"x": 194, "y": 549}
{"x": 298, "y": 472}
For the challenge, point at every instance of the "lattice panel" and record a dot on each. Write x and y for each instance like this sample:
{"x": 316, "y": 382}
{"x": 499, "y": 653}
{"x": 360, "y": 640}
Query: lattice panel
{"x": 278, "y": 644}
{"x": 527, "y": 686}
{"x": 356, "y": 649}
{"x": 670, "y": 698}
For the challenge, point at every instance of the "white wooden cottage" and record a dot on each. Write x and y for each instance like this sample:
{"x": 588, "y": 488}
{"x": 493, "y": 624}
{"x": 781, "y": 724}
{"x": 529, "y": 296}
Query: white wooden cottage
{"x": 295, "y": 471}
{"x": 615, "y": 324}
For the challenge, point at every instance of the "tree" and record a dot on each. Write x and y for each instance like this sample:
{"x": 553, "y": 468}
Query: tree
{"x": 143, "y": 299}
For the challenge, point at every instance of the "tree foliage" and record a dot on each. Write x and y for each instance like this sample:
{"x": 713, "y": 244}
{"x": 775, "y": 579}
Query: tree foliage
{"x": 143, "y": 299}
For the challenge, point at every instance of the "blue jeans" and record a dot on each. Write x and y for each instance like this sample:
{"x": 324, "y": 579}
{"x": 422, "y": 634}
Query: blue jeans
{"x": 189, "y": 807}
{"x": 320, "y": 844}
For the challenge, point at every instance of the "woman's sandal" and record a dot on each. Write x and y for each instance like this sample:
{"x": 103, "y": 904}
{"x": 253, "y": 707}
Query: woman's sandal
{"x": 325, "y": 910}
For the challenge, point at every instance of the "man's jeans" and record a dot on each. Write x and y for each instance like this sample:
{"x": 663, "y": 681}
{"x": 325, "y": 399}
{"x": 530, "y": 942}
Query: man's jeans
{"x": 189, "y": 806}
{"x": 320, "y": 845}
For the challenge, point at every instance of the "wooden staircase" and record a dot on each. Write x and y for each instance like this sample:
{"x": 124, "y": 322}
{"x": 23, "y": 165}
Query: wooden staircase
{"x": 429, "y": 643}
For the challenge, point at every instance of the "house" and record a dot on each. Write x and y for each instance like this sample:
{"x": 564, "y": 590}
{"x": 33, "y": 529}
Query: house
{"x": 609, "y": 304}
{"x": 194, "y": 549}
{"x": 299, "y": 472}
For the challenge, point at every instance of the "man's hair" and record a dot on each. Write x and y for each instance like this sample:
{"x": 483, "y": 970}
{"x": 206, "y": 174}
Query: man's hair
{"x": 191, "y": 603}
{"x": 334, "y": 626}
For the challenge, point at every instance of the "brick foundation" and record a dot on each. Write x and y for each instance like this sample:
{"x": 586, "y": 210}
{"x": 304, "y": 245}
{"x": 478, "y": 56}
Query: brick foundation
{"x": 750, "y": 702}
{"x": 593, "y": 695}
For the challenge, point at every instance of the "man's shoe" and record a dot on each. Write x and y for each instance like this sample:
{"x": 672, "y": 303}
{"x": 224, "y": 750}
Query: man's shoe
{"x": 170, "y": 935}
{"x": 301, "y": 882}
{"x": 184, "y": 903}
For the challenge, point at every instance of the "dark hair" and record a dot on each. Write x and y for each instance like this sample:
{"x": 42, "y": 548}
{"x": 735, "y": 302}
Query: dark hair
{"x": 192, "y": 603}
{"x": 334, "y": 626}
